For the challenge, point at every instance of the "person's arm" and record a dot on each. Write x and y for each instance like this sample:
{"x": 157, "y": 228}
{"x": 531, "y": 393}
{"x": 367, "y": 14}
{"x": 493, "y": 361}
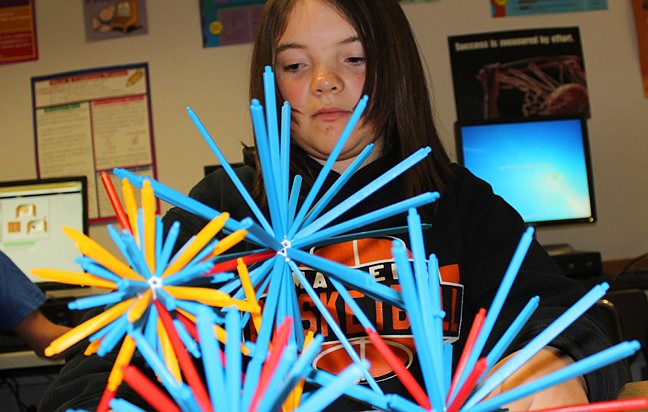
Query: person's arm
{"x": 548, "y": 360}
{"x": 38, "y": 331}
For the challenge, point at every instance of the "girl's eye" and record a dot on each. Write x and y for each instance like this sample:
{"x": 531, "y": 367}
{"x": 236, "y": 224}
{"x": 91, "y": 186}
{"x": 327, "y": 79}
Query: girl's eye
{"x": 292, "y": 67}
{"x": 356, "y": 60}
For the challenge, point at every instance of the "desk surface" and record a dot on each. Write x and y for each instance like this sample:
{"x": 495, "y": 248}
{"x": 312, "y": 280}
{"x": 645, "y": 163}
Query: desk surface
{"x": 25, "y": 359}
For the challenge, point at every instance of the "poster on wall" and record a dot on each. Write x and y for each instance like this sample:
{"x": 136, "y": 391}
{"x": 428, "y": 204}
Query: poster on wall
{"x": 229, "y": 22}
{"x": 109, "y": 19}
{"x": 518, "y": 74}
{"x": 506, "y": 8}
{"x": 91, "y": 121}
{"x": 17, "y": 31}
{"x": 640, "y": 10}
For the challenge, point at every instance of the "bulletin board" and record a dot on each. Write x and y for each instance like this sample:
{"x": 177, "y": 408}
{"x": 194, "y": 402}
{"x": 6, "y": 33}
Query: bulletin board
{"x": 91, "y": 121}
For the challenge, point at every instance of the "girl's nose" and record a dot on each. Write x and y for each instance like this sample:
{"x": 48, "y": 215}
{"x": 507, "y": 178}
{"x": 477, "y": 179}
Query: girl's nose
{"x": 326, "y": 81}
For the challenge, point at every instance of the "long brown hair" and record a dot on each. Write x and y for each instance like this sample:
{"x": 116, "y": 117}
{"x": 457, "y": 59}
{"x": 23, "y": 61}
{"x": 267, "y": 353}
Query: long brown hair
{"x": 399, "y": 101}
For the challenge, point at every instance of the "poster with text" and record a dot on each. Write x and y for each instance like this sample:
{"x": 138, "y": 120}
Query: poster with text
{"x": 110, "y": 19}
{"x": 92, "y": 121}
{"x": 229, "y": 22}
{"x": 518, "y": 74}
{"x": 17, "y": 31}
{"x": 640, "y": 10}
{"x": 505, "y": 8}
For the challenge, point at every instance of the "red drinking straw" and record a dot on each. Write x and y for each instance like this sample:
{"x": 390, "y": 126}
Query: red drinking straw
{"x": 279, "y": 342}
{"x": 116, "y": 204}
{"x": 104, "y": 403}
{"x": 470, "y": 343}
{"x": 401, "y": 371}
{"x": 149, "y": 391}
{"x": 468, "y": 386}
{"x": 186, "y": 364}
{"x": 606, "y": 406}
{"x": 230, "y": 265}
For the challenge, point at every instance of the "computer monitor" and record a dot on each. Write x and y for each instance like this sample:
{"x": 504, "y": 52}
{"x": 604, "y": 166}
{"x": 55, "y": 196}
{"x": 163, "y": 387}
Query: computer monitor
{"x": 32, "y": 213}
{"x": 542, "y": 167}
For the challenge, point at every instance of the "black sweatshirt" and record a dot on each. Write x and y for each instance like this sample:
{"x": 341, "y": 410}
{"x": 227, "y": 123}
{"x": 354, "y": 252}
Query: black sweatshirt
{"x": 473, "y": 234}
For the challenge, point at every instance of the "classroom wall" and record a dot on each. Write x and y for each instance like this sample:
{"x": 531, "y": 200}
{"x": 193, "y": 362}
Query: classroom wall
{"x": 213, "y": 82}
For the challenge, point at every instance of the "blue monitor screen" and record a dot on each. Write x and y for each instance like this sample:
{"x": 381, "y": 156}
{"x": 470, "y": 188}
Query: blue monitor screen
{"x": 541, "y": 167}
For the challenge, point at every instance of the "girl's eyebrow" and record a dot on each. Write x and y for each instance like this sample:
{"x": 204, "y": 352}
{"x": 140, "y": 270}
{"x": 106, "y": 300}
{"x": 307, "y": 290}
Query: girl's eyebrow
{"x": 295, "y": 45}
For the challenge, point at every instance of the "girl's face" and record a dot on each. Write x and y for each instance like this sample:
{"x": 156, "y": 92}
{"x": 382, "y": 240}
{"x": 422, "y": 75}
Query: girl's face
{"x": 320, "y": 69}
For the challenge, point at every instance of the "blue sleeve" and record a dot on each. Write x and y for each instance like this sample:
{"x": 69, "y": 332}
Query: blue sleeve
{"x": 19, "y": 297}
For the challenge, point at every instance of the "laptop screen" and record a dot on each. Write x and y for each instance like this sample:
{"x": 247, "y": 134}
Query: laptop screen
{"x": 32, "y": 214}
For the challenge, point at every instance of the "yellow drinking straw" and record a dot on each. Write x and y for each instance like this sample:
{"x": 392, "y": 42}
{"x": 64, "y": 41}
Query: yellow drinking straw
{"x": 131, "y": 208}
{"x": 87, "y": 328}
{"x": 148, "y": 210}
{"x": 197, "y": 244}
{"x": 74, "y": 278}
{"x": 92, "y": 249}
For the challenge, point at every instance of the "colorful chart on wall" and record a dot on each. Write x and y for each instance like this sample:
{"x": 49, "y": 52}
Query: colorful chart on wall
{"x": 506, "y": 8}
{"x": 518, "y": 74}
{"x": 229, "y": 22}
{"x": 91, "y": 121}
{"x": 17, "y": 31}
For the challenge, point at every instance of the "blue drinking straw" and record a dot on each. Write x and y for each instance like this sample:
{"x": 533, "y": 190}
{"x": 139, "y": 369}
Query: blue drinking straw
{"x": 344, "y": 341}
{"x": 359, "y": 392}
{"x": 214, "y": 374}
{"x": 188, "y": 273}
{"x": 293, "y": 199}
{"x": 434, "y": 291}
{"x": 297, "y": 372}
{"x": 582, "y": 367}
{"x": 538, "y": 342}
{"x": 178, "y": 391}
{"x": 176, "y": 198}
{"x": 413, "y": 307}
{"x": 265, "y": 238}
{"x": 121, "y": 405}
{"x": 324, "y": 396}
{"x": 328, "y": 165}
{"x": 263, "y": 338}
{"x": 399, "y": 404}
{"x": 302, "y": 239}
{"x": 97, "y": 300}
{"x": 357, "y": 279}
{"x": 186, "y": 338}
{"x": 337, "y": 185}
{"x": 117, "y": 330}
{"x": 267, "y": 168}
{"x": 511, "y": 332}
{"x": 498, "y": 302}
{"x": 167, "y": 248}
{"x": 284, "y": 158}
{"x": 233, "y": 358}
{"x": 363, "y": 193}
{"x": 92, "y": 267}
{"x": 229, "y": 170}
{"x": 116, "y": 237}
{"x": 274, "y": 385}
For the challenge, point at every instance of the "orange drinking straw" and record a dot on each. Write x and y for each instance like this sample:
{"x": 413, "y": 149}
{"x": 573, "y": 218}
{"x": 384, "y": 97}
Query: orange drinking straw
{"x": 116, "y": 204}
